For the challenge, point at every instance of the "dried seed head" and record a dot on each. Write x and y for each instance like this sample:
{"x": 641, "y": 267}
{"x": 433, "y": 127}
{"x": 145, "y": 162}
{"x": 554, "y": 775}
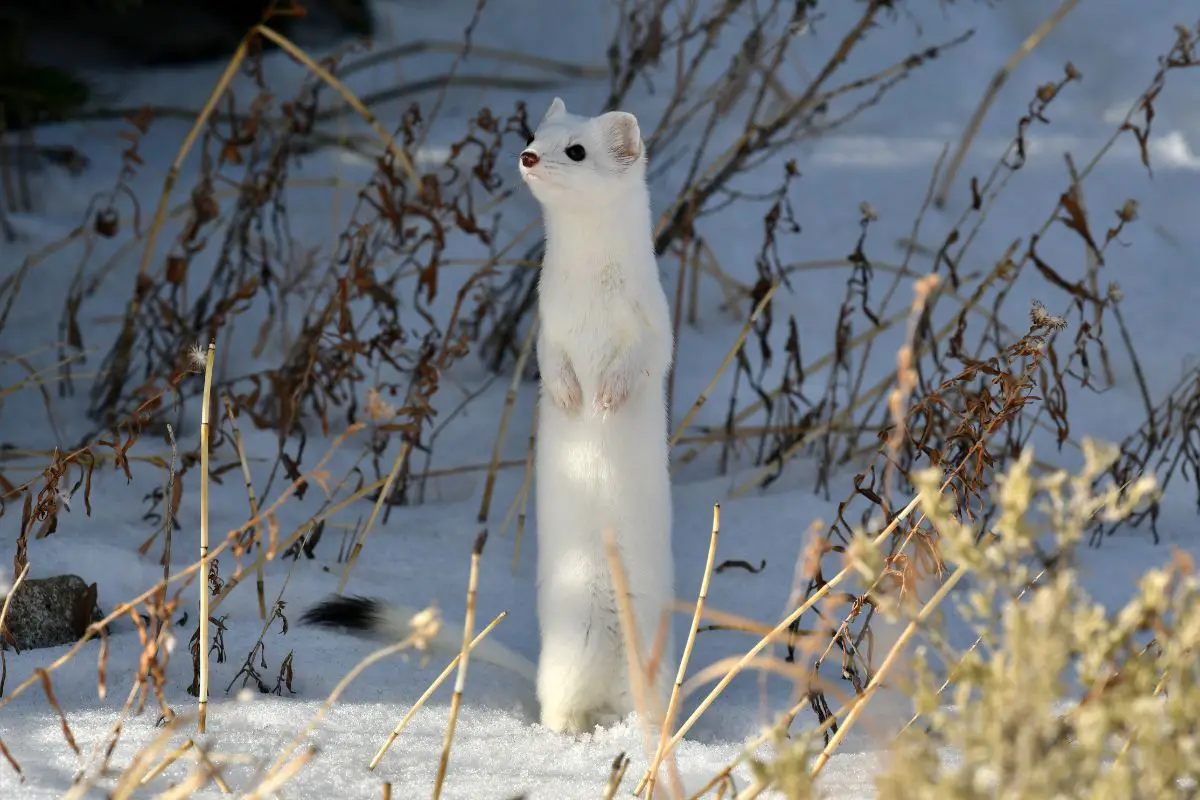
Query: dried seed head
{"x": 198, "y": 357}
{"x": 1129, "y": 211}
{"x": 1039, "y": 317}
{"x": 378, "y": 409}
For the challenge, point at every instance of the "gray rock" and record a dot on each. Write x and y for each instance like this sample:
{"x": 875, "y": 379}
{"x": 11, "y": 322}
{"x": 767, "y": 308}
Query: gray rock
{"x": 47, "y": 612}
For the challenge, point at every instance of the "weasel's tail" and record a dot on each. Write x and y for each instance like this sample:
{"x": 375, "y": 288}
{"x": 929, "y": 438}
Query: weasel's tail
{"x": 370, "y": 618}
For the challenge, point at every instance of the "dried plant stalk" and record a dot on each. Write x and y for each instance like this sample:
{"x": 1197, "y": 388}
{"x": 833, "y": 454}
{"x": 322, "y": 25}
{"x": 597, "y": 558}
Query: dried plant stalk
{"x": 256, "y": 530}
{"x": 168, "y": 528}
{"x": 522, "y": 499}
{"x": 277, "y": 778}
{"x": 210, "y": 358}
{"x": 131, "y": 777}
{"x": 781, "y": 724}
{"x": 616, "y": 775}
{"x": 633, "y": 659}
{"x": 167, "y": 761}
{"x": 429, "y": 692}
{"x": 423, "y": 630}
{"x": 510, "y": 400}
{"x": 347, "y": 95}
{"x": 211, "y": 770}
{"x": 812, "y": 600}
{"x": 886, "y": 665}
{"x": 125, "y": 608}
{"x": 401, "y": 457}
{"x": 975, "y": 644}
{"x": 160, "y": 214}
{"x": 737, "y": 345}
{"x": 460, "y": 679}
{"x": 8, "y": 597}
{"x": 997, "y": 82}
{"x": 4, "y": 615}
{"x": 647, "y": 781}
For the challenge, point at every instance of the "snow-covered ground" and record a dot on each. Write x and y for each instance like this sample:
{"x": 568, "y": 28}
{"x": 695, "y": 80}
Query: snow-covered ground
{"x": 421, "y": 554}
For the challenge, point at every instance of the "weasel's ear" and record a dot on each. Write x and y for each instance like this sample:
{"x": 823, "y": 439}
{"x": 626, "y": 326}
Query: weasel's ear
{"x": 623, "y": 136}
{"x": 557, "y": 106}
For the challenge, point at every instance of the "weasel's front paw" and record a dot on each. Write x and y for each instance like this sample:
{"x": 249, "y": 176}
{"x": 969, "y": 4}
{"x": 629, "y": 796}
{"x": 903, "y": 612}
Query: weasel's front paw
{"x": 564, "y": 389}
{"x": 614, "y": 391}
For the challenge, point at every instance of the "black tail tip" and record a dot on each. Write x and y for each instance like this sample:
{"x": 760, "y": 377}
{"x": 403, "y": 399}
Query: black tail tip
{"x": 354, "y": 613}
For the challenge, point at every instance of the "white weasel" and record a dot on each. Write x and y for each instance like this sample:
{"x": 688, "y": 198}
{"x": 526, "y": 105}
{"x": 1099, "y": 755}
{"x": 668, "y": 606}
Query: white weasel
{"x": 604, "y": 349}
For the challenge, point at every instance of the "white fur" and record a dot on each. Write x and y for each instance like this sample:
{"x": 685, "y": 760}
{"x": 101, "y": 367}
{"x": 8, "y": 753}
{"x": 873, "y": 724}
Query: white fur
{"x": 604, "y": 349}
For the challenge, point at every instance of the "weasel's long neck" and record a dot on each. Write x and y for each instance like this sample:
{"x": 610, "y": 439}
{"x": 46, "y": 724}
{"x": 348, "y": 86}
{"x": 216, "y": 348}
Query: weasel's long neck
{"x": 617, "y": 233}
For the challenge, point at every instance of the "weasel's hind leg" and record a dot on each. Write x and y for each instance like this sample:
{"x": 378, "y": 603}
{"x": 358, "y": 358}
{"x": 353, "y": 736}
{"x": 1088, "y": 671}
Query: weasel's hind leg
{"x": 574, "y": 721}
{"x": 581, "y": 670}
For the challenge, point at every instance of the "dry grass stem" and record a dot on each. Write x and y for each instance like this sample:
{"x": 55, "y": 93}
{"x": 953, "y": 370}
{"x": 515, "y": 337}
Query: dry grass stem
{"x": 347, "y": 95}
{"x": 256, "y": 531}
{"x": 510, "y": 400}
{"x": 167, "y": 761}
{"x": 647, "y": 780}
{"x": 438, "y": 681}
{"x": 3, "y": 665}
{"x": 782, "y": 723}
{"x": 615, "y": 776}
{"x": 521, "y": 501}
{"x": 205, "y": 409}
{"x": 131, "y": 778}
{"x": 464, "y": 656}
{"x": 812, "y": 600}
{"x": 886, "y": 665}
{"x": 214, "y": 97}
{"x": 998, "y": 80}
{"x": 975, "y": 644}
{"x": 636, "y": 676}
{"x": 125, "y": 608}
{"x": 11, "y": 592}
{"x": 422, "y": 630}
{"x": 384, "y": 492}
{"x": 277, "y": 778}
{"x": 725, "y": 362}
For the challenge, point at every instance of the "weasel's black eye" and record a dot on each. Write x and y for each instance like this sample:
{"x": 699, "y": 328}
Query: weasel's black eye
{"x": 576, "y": 152}
{"x": 529, "y": 140}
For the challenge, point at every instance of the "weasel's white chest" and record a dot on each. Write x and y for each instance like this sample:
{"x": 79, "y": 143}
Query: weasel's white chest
{"x": 589, "y": 311}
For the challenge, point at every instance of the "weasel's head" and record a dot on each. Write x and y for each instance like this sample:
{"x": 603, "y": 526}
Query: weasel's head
{"x": 580, "y": 162}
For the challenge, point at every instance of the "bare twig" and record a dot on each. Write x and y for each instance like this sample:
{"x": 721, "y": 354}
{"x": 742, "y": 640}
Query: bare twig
{"x": 210, "y": 359}
{"x": 460, "y": 678}
{"x": 256, "y": 531}
{"x": 672, "y": 704}
{"x": 445, "y": 673}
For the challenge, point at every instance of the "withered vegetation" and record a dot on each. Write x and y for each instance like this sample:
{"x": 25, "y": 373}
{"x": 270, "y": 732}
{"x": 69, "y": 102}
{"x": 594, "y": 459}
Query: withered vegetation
{"x": 355, "y": 340}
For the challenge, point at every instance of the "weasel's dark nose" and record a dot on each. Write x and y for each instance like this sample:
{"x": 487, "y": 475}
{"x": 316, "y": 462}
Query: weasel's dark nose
{"x": 529, "y": 159}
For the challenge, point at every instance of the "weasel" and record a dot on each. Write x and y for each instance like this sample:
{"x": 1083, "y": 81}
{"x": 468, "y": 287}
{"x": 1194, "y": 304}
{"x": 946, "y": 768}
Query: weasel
{"x": 604, "y": 348}
{"x": 601, "y": 463}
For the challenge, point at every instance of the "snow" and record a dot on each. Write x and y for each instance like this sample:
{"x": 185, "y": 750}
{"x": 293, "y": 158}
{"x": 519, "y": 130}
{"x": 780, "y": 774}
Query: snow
{"x": 420, "y": 554}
